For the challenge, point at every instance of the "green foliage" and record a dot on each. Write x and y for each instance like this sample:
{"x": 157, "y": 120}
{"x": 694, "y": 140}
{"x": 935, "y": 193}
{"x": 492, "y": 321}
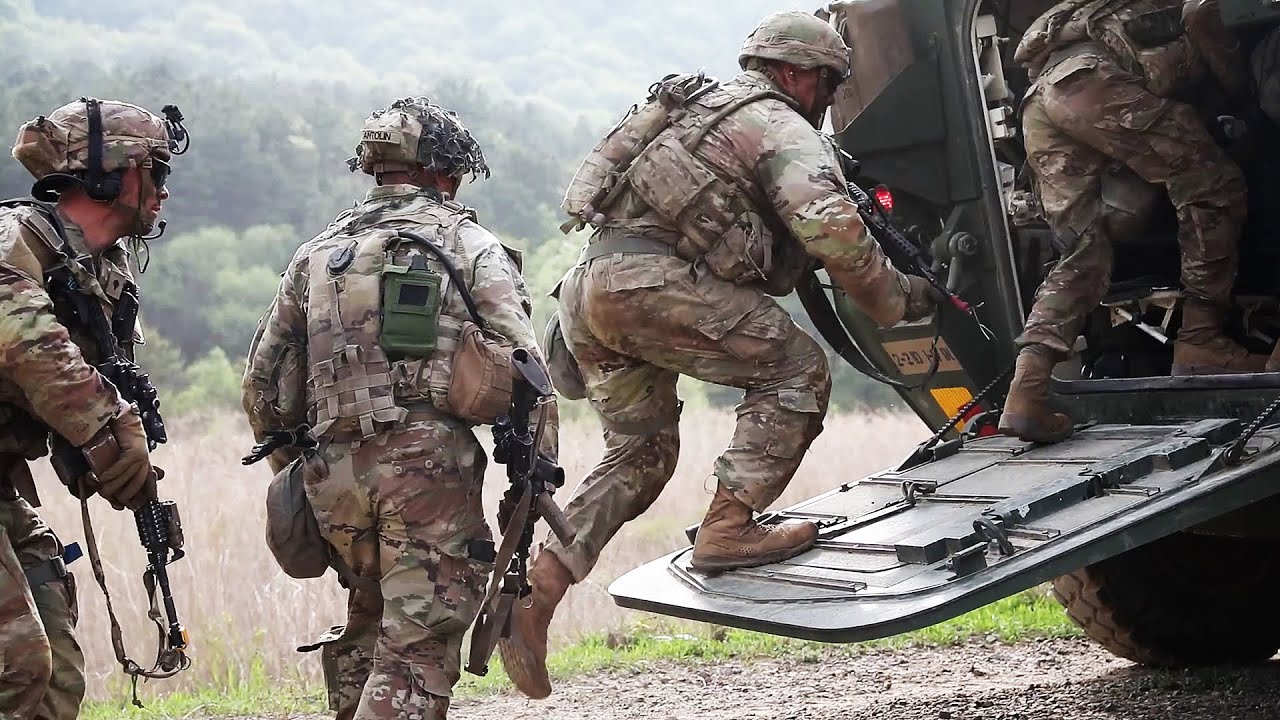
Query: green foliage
{"x": 209, "y": 383}
{"x": 575, "y": 54}
{"x": 274, "y": 114}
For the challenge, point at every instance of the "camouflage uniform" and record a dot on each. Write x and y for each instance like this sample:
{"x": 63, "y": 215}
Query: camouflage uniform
{"x": 728, "y": 200}
{"x": 48, "y": 384}
{"x": 401, "y": 501}
{"x": 1094, "y": 110}
{"x": 635, "y": 323}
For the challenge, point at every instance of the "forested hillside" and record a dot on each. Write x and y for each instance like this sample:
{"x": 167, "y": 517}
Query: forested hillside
{"x": 274, "y": 92}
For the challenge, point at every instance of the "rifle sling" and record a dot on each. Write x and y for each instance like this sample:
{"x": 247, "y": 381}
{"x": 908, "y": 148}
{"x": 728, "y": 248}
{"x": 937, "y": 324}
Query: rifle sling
{"x": 496, "y": 607}
{"x": 131, "y": 668}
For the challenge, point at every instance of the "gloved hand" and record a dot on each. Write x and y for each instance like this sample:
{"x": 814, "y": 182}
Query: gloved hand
{"x": 922, "y": 298}
{"x": 126, "y": 480}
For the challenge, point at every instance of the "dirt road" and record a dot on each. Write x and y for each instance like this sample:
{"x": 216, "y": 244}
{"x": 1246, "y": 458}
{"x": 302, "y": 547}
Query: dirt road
{"x": 1053, "y": 680}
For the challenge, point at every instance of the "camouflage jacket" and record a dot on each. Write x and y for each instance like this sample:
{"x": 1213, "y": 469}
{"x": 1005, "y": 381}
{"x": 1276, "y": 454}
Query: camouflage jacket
{"x": 789, "y": 170}
{"x": 45, "y": 367}
{"x": 275, "y": 388}
{"x": 1172, "y": 45}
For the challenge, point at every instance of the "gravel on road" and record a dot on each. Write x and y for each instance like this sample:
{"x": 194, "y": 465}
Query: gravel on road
{"x": 1048, "y": 680}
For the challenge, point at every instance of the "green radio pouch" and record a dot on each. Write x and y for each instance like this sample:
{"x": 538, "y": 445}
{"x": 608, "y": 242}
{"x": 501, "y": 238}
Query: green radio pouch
{"x": 410, "y": 308}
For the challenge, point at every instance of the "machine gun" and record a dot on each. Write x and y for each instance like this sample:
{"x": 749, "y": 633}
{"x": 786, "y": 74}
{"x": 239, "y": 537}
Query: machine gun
{"x": 159, "y": 525}
{"x": 533, "y": 478}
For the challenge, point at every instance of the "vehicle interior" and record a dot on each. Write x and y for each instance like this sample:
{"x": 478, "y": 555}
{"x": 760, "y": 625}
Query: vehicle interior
{"x": 1132, "y": 332}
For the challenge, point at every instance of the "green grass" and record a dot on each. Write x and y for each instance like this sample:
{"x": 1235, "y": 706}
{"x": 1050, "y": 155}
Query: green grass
{"x": 1026, "y": 616}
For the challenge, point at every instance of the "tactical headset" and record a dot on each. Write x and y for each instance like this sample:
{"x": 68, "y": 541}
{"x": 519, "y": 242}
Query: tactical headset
{"x": 105, "y": 186}
{"x": 99, "y": 185}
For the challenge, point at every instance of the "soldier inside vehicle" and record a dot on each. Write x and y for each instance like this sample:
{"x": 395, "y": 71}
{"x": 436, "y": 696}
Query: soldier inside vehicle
{"x": 1171, "y": 306}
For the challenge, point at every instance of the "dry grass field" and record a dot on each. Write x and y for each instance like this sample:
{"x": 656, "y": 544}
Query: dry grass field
{"x": 245, "y": 616}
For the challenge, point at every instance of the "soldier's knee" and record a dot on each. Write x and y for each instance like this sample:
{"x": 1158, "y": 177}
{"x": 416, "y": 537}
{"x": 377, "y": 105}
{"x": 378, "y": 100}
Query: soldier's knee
{"x": 449, "y": 587}
{"x": 814, "y": 376}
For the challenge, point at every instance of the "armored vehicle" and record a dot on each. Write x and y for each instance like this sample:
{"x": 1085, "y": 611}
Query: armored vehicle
{"x": 1157, "y": 522}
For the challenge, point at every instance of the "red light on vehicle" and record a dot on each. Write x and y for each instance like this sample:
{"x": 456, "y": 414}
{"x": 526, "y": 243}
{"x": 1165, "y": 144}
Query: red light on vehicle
{"x": 884, "y": 197}
{"x": 986, "y": 430}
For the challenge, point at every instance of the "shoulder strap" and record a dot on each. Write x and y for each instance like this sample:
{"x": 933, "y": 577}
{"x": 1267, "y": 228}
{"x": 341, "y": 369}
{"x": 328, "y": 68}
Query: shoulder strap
{"x": 452, "y": 270}
{"x": 45, "y": 223}
{"x": 733, "y": 107}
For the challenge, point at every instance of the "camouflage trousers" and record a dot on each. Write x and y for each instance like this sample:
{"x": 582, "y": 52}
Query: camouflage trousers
{"x": 635, "y": 323}
{"x": 1087, "y": 124}
{"x": 41, "y": 665}
{"x": 403, "y": 508}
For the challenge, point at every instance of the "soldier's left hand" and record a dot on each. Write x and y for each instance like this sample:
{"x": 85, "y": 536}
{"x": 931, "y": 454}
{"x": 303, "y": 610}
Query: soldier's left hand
{"x": 922, "y": 298}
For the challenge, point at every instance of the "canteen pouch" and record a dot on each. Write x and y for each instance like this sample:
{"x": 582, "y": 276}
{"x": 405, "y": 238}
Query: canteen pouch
{"x": 293, "y": 535}
{"x": 480, "y": 386}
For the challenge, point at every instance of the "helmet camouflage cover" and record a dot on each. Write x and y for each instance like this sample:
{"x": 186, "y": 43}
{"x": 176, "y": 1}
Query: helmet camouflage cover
{"x": 59, "y": 142}
{"x": 797, "y": 38}
{"x": 415, "y": 131}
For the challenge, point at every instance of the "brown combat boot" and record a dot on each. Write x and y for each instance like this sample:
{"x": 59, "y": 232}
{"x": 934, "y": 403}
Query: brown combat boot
{"x": 1027, "y": 413}
{"x": 730, "y": 537}
{"x": 1202, "y": 349}
{"x": 1273, "y": 362}
{"x": 524, "y": 653}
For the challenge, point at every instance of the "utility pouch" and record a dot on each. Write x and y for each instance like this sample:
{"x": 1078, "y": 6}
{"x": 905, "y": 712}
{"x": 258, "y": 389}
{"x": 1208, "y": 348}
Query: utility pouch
{"x": 1156, "y": 28}
{"x": 410, "y": 309}
{"x": 480, "y": 386}
{"x": 293, "y": 535}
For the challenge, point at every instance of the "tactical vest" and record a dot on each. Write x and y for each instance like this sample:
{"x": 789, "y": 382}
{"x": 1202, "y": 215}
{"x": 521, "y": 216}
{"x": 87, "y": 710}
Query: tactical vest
{"x": 708, "y": 217}
{"x": 382, "y": 322}
{"x": 1145, "y": 37}
{"x": 19, "y": 432}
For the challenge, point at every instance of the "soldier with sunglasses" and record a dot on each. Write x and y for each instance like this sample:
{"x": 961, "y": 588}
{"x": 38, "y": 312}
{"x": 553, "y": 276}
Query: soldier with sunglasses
{"x": 100, "y": 168}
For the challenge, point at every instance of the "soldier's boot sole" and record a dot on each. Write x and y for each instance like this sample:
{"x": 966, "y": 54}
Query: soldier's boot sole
{"x": 730, "y": 537}
{"x": 1027, "y": 414}
{"x": 524, "y": 652}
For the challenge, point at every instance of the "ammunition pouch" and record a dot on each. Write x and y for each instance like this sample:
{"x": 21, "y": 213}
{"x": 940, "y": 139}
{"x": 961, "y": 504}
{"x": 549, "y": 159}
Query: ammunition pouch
{"x": 706, "y": 211}
{"x": 480, "y": 386}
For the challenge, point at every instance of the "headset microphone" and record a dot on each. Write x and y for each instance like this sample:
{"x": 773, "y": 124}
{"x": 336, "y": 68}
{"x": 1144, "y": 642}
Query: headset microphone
{"x": 159, "y": 231}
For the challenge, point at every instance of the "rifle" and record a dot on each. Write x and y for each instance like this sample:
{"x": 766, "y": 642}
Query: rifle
{"x": 909, "y": 258}
{"x": 158, "y": 522}
{"x": 533, "y": 478}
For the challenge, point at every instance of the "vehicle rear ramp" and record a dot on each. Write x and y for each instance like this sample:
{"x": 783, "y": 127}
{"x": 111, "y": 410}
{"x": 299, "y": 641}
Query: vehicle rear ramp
{"x": 981, "y": 520}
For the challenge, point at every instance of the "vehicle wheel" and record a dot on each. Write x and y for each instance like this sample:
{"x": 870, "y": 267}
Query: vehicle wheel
{"x": 1182, "y": 600}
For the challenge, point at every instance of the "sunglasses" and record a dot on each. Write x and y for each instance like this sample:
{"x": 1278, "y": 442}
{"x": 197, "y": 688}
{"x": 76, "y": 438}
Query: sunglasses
{"x": 159, "y": 172}
{"x": 832, "y": 80}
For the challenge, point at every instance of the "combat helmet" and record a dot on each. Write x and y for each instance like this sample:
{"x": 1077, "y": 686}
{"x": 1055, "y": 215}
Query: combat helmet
{"x": 416, "y": 132}
{"x": 799, "y": 39}
{"x": 92, "y": 143}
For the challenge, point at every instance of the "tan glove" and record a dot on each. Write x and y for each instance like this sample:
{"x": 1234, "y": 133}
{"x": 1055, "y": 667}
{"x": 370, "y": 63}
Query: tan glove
{"x": 124, "y": 478}
{"x": 922, "y": 298}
